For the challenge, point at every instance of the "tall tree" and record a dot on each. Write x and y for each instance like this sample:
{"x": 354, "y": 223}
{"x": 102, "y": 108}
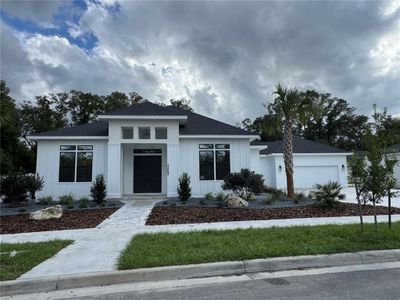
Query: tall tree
{"x": 14, "y": 154}
{"x": 181, "y": 103}
{"x": 289, "y": 107}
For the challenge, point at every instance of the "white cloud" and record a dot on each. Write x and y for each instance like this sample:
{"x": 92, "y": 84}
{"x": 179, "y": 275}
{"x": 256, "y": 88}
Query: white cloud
{"x": 224, "y": 56}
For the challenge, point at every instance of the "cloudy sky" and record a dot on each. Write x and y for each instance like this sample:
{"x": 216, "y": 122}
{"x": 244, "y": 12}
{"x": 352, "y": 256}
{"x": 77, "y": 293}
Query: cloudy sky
{"x": 225, "y": 56}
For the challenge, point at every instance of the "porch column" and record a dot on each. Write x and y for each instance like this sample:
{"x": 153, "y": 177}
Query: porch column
{"x": 114, "y": 170}
{"x": 173, "y": 167}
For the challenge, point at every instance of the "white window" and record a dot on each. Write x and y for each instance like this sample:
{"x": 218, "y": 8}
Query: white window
{"x": 214, "y": 161}
{"x": 76, "y": 163}
{"x": 144, "y": 133}
{"x": 127, "y": 133}
{"x": 161, "y": 133}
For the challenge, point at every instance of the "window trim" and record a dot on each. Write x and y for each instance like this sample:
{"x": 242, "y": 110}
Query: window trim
{"x": 160, "y": 127}
{"x": 213, "y": 150}
{"x": 122, "y": 132}
{"x": 144, "y": 127}
{"x": 76, "y": 151}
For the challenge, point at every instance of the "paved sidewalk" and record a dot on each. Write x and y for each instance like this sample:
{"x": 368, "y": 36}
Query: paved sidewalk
{"x": 97, "y": 249}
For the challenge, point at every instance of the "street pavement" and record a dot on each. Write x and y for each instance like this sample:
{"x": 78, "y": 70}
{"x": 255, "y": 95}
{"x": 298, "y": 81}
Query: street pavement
{"x": 371, "y": 281}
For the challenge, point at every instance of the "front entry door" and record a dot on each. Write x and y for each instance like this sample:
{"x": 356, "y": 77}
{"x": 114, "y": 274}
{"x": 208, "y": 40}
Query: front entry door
{"x": 147, "y": 174}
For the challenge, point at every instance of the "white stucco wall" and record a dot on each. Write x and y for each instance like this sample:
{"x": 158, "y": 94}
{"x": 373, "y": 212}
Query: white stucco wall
{"x": 189, "y": 161}
{"x": 48, "y": 162}
{"x": 309, "y": 169}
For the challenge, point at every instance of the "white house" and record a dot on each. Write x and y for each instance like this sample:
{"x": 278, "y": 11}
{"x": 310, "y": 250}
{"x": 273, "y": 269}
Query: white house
{"x": 396, "y": 150}
{"x": 143, "y": 149}
{"x": 313, "y": 163}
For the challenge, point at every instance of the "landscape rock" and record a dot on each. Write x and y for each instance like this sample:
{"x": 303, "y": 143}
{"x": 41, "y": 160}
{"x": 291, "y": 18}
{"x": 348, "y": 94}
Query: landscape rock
{"x": 236, "y": 201}
{"x": 53, "y": 212}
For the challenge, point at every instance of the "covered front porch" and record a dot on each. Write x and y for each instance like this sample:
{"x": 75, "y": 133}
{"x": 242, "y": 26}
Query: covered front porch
{"x": 140, "y": 169}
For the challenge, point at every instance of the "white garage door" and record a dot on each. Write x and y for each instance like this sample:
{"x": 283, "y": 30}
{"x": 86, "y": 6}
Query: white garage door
{"x": 306, "y": 176}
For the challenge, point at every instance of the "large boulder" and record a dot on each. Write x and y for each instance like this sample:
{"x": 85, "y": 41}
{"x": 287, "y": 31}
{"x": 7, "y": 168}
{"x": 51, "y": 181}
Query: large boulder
{"x": 236, "y": 201}
{"x": 53, "y": 212}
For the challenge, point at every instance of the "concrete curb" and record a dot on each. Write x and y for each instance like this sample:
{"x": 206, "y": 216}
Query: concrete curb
{"x": 63, "y": 282}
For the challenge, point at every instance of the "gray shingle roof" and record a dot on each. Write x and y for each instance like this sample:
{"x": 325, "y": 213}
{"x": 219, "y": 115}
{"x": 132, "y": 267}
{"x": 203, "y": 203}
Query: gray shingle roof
{"x": 195, "y": 125}
{"x": 97, "y": 128}
{"x": 300, "y": 145}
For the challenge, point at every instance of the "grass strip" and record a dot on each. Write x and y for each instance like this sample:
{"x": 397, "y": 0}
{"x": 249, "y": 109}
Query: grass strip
{"x": 17, "y": 259}
{"x": 165, "y": 249}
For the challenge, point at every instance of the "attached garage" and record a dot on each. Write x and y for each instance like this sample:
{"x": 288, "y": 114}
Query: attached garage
{"x": 313, "y": 163}
{"x": 307, "y": 176}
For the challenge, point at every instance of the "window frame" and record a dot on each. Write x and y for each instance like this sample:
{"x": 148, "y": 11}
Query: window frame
{"x": 122, "y": 133}
{"x": 75, "y": 151}
{"x": 162, "y": 128}
{"x": 210, "y": 147}
{"x": 144, "y": 127}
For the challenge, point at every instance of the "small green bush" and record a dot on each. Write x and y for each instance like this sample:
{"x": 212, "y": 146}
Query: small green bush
{"x": 328, "y": 195}
{"x": 221, "y": 196}
{"x": 244, "y": 179}
{"x": 98, "y": 191}
{"x": 184, "y": 190}
{"x": 46, "y": 200}
{"x": 203, "y": 201}
{"x": 14, "y": 188}
{"x": 298, "y": 197}
{"x": 70, "y": 206}
{"x": 67, "y": 200}
{"x": 22, "y": 210}
{"x": 34, "y": 183}
{"x": 209, "y": 196}
{"x": 84, "y": 202}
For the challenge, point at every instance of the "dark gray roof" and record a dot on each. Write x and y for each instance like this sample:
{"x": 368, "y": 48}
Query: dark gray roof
{"x": 200, "y": 125}
{"x": 195, "y": 125}
{"x": 97, "y": 128}
{"x": 300, "y": 145}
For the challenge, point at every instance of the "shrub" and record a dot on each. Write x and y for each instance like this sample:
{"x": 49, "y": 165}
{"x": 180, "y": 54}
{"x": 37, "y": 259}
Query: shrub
{"x": 14, "y": 188}
{"x": 328, "y": 195}
{"x": 221, "y": 196}
{"x": 67, "y": 200}
{"x": 298, "y": 197}
{"x": 98, "y": 191}
{"x": 209, "y": 196}
{"x": 47, "y": 200}
{"x": 34, "y": 184}
{"x": 184, "y": 190}
{"x": 203, "y": 201}
{"x": 83, "y": 202}
{"x": 244, "y": 179}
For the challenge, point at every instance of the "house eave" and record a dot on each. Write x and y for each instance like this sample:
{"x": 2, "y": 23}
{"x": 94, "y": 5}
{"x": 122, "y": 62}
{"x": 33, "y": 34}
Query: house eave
{"x": 310, "y": 154}
{"x": 181, "y": 119}
{"x": 36, "y": 138}
{"x": 217, "y": 136}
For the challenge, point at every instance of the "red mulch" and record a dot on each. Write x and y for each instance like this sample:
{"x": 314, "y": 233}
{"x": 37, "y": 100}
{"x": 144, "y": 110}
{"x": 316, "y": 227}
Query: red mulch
{"x": 185, "y": 215}
{"x": 73, "y": 219}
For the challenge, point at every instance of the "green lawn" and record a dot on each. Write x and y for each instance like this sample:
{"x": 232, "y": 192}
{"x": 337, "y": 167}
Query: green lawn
{"x": 28, "y": 255}
{"x": 164, "y": 249}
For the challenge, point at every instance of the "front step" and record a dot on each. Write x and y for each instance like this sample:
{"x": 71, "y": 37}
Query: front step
{"x": 144, "y": 197}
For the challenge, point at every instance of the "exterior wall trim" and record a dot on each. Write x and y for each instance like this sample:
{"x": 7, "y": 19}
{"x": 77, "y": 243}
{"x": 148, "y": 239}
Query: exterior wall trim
{"x": 220, "y": 136}
{"x": 120, "y": 117}
{"x": 32, "y": 137}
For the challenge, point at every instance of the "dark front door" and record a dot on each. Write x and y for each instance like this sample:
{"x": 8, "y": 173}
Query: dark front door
{"x": 147, "y": 174}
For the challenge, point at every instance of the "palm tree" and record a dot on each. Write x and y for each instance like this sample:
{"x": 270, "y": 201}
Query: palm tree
{"x": 289, "y": 107}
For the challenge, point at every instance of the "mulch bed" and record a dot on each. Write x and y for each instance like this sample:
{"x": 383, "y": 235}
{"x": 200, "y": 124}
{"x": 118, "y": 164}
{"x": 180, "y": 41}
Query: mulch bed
{"x": 69, "y": 220}
{"x": 186, "y": 215}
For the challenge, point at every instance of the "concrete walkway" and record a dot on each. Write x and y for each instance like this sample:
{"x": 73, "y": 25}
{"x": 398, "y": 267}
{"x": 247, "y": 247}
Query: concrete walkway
{"x": 98, "y": 249}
